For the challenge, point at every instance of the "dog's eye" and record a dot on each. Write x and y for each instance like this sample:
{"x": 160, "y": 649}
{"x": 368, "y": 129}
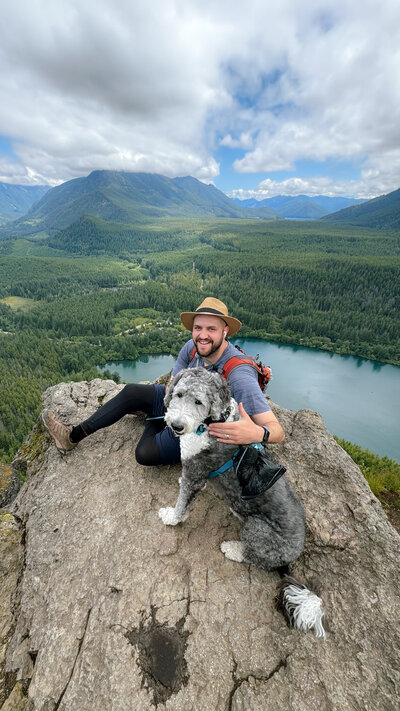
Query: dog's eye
{"x": 198, "y": 402}
{"x": 178, "y": 394}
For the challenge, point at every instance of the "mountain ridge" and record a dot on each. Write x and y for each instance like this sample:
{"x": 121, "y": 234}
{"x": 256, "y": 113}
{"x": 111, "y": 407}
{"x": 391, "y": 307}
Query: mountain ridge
{"x": 382, "y": 212}
{"x": 126, "y": 198}
{"x": 133, "y": 198}
{"x": 16, "y": 200}
{"x": 301, "y": 206}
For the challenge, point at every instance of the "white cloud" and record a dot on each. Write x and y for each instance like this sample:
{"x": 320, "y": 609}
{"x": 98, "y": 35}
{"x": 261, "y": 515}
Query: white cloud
{"x": 159, "y": 86}
{"x": 337, "y": 98}
{"x": 100, "y": 85}
{"x": 245, "y": 141}
{"x": 305, "y": 186}
{"x": 378, "y": 177}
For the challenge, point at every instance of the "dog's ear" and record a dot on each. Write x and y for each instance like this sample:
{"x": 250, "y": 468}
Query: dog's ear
{"x": 221, "y": 398}
{"x": 170, "y": 390}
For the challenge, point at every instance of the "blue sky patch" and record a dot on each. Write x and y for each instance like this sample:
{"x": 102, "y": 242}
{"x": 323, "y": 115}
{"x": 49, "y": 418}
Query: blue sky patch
{"x": 6, "y": 148}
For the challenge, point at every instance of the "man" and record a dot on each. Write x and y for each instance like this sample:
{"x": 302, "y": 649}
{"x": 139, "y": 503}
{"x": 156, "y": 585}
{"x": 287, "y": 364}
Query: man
{"x": 210, "y": 325}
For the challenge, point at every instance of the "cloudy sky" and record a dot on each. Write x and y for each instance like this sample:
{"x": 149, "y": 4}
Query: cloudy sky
{"x": 261, "y": 98}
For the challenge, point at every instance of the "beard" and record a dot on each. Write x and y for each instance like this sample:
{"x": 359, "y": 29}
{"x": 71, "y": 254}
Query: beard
{"x": 213, "y": 347}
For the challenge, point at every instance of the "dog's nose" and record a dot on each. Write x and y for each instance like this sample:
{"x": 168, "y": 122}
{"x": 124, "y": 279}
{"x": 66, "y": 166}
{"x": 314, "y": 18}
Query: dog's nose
{"x": 177, "y": 426}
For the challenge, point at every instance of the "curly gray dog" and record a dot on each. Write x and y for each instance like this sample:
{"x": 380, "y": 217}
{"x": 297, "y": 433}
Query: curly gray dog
{"x": 273, "y": 530}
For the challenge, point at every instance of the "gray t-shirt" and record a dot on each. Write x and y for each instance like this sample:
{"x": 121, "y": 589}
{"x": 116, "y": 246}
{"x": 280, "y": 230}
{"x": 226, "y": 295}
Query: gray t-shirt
{"x": 243, "y": 380}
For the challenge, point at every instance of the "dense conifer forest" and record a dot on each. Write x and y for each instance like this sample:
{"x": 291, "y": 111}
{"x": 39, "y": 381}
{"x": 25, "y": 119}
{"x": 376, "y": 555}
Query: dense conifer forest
{"x": 96, "y": 292}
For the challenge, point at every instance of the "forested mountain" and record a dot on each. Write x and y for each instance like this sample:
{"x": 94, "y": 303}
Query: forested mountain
{"x": 128, "y": 198}
{"x": 301, "y": 206}
{"x": 15, "y": 200}
{"x": 382, "y": 212}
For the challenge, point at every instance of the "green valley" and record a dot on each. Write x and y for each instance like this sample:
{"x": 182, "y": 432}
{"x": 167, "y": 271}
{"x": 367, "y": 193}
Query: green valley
{"x": 99, "y": 291}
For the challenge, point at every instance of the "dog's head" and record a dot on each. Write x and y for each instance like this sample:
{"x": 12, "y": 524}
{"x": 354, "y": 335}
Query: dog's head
{"x": 194, "y": 396}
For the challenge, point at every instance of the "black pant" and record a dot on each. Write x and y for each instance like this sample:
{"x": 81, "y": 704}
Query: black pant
{"x": 133, "y": 398}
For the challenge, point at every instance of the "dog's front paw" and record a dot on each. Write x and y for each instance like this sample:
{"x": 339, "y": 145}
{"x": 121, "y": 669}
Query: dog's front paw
{"x": 168, "y": 516}
{"x": 233, "y": 550}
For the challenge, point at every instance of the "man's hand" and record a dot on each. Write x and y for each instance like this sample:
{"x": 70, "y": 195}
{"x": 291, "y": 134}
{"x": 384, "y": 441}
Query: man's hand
{"x": 246, "y": 430}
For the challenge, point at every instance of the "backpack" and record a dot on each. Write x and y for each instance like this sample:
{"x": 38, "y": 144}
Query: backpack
{"x": 263, "y": 371}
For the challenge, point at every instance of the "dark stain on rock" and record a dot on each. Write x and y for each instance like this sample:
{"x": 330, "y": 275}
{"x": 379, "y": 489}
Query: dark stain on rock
{"x": 161, "y": 656}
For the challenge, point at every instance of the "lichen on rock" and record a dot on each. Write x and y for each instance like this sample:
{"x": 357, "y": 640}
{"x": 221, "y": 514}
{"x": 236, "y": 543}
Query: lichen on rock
{"x": 9, "y": 484}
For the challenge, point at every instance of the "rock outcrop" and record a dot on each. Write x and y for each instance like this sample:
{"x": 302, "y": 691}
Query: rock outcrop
{"x": 112, "y": 611}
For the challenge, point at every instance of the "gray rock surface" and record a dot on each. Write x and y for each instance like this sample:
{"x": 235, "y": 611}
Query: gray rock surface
{"x": 113, "y": 611}
{"x": 9, "y": 572}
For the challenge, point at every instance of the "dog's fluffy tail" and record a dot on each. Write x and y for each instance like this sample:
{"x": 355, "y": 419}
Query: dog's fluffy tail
{"x": 302, "y": 607}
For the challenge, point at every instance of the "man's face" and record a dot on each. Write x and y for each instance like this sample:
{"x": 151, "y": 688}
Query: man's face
{"x": 208, "y": 334}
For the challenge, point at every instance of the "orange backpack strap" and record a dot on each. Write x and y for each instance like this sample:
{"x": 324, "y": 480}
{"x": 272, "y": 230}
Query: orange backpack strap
{"x": 263, "y": 371}
{"x": 234, "y": 362}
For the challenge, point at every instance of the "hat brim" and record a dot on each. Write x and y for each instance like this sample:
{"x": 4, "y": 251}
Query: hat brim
{"x": 187, "y": 318}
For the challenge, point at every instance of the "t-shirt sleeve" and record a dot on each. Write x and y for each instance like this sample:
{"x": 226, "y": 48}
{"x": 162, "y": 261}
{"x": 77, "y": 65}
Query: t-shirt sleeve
{"x": 245, "y": 389}
{"x": 183, "y": 358}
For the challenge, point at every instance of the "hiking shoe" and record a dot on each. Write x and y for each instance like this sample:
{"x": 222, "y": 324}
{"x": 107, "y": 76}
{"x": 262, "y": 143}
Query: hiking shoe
{"x": 58, "y": 431}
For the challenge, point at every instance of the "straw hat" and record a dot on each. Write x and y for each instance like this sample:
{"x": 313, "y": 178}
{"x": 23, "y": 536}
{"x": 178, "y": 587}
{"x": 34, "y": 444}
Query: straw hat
{"x": 211, "y": 307}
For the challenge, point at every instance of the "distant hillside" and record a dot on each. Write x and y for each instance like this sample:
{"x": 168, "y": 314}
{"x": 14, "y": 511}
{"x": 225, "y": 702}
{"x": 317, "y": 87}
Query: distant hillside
{"x": 332, "y": 204}
{"x": 300, "y": 206}
{"x": 382, "y": 212}
{"x": 302, "y": 209}
{"x": 250, "y": 202}
{"x": 15, "y": 200}
{"x": 90, "y": 236}
{"x": 128, "y": 198}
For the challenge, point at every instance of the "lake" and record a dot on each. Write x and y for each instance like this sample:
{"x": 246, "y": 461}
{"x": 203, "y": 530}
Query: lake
{"x": 358, "y": 399}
